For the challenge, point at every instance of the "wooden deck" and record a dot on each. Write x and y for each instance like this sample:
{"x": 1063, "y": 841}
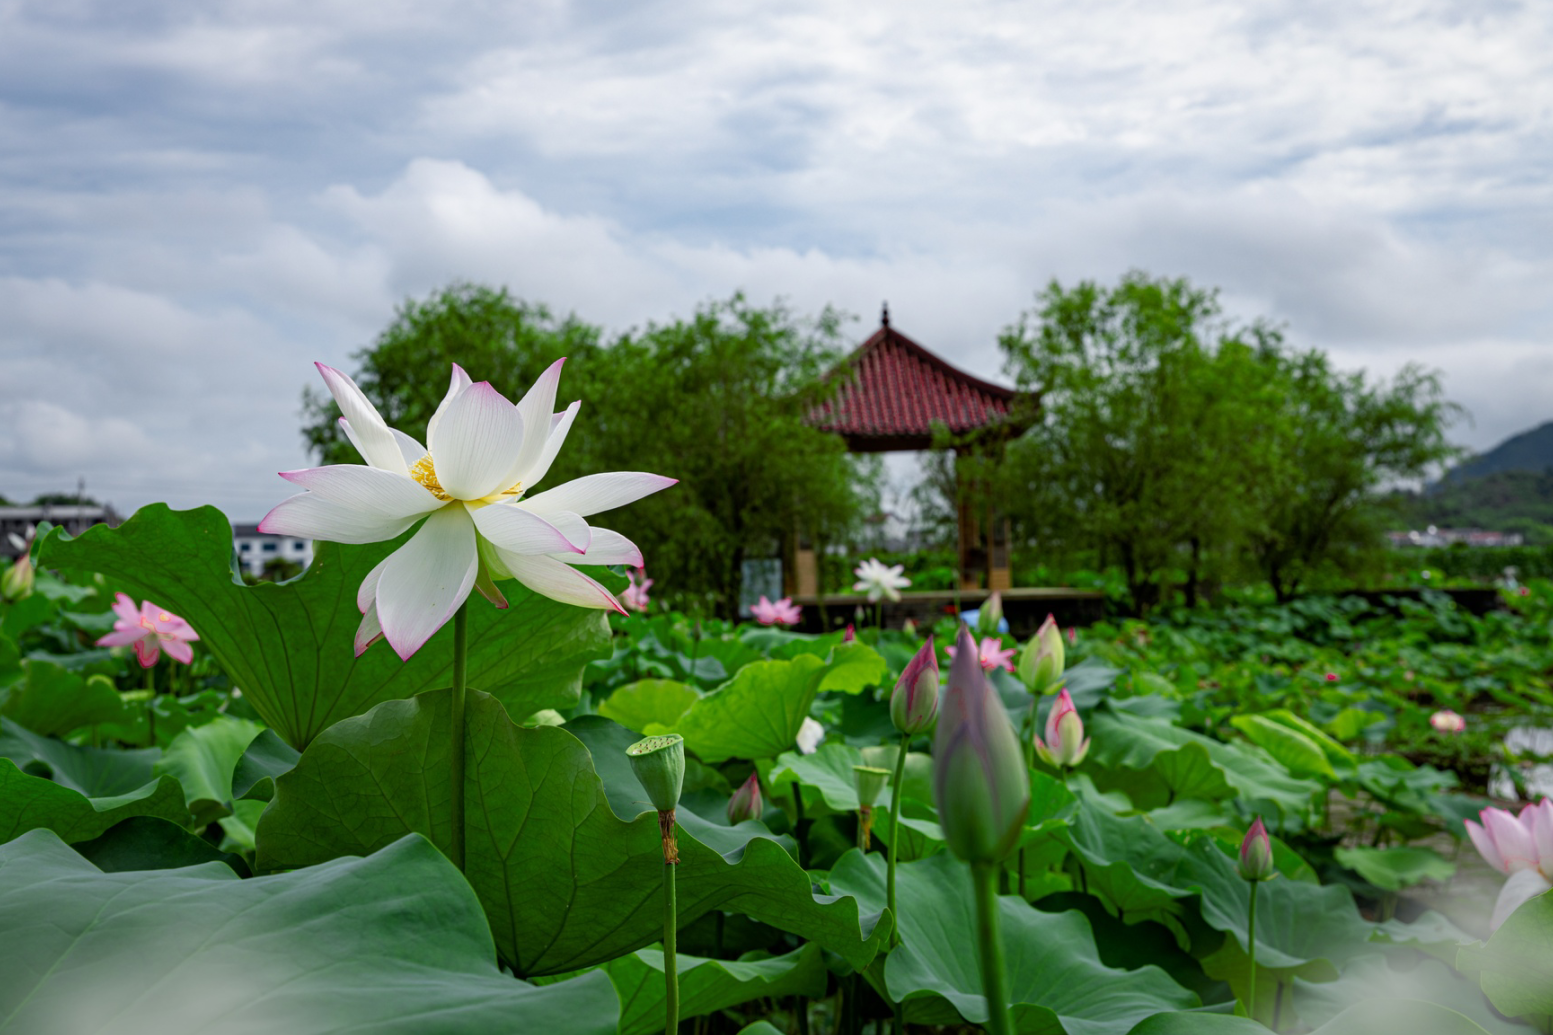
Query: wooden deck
{"x": 1024, "y": 608}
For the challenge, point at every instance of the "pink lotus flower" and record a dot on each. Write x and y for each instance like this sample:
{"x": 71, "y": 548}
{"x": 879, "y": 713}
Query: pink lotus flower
{"x": 1331, "y": 677}
{"x": 851, "y": 634}
{"x": 1065, "y": 745}
{"x": 1520, "y": 846}
{"x": 1256, "y": 853}
{"x": 472, "y": 483}
{"x": 635, "y": 595}
{"x": 1447, "y": 721}
{"x": 150, "y": 630}
{"x": 783, "y": 612}
{"x": 991, "y": 654}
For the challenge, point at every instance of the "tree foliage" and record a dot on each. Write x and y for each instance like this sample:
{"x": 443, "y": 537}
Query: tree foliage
{"x": 715, "y": 400}
{"x": 1172, "y": 440}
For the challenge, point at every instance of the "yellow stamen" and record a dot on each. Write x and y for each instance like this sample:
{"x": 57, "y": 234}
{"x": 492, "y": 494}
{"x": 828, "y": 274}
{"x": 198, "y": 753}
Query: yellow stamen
{"x": 164, "y": 617}
{"x": 425, "y": 473}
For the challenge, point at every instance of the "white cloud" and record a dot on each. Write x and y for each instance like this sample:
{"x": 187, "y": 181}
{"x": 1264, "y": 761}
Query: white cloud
{"x": 200, "y": 200}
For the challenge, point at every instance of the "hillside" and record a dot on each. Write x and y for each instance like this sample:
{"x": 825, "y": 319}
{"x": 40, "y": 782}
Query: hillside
{"x": 1529, "y": 451}
{"x": 1507, "y": 501}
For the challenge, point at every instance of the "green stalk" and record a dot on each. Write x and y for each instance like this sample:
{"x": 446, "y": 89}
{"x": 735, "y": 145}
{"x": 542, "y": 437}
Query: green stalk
{"x": 1251, "y": 945}
{"x": 895, "y": 826}
{"x": 151, "y": 707}
{"x": 994, "y": 978}
{"x": 456, "y": 746}
{"x": 670, "y": 948}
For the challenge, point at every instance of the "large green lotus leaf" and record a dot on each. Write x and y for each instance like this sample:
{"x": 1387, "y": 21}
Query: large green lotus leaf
{"x": 289, "y": 645}
{"x": 1392, "y": 869}
{"x": 1372, "y": 977}
{"x": 828, "y": 772}
{"x": 757, "y": 713}
{"x": 1382, "y": 1017}
{"x": 52, "y": 700}
{"x": 94, "y": 772}
{"x": 565, "y": 883}
{"x": 1128, "y": 864}
{"x": 1515, "y": 965}
{"x": 264, "y": 759}
{"x": 148, "y": 843}
{"x": 707, "y": 985}
{"x": 1291, "y": 747}
{"x": 1122, "y": 739}
{"x": 32, "y": 802}
{"x": 202, "y": 759}
{"x": 1057, "y": 983}
{"x": 391, "y": 943}
{"x": 1184, "y": 774}
{"x": 640, "y": 704}
{"x": 1197, "y": 1024}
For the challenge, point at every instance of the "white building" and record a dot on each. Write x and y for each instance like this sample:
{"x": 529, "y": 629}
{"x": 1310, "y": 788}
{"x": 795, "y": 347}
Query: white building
{"x": 74, "y": 518}
{"x": 255, "y": 549}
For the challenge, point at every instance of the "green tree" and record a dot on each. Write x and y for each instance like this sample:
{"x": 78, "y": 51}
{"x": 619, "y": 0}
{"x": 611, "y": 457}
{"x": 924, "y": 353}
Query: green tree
{"x": 1149, "y": 414}
{"x": 404, "y": 372}
{"x": 1335, "y": 441}
{"x": 717, "y": 401}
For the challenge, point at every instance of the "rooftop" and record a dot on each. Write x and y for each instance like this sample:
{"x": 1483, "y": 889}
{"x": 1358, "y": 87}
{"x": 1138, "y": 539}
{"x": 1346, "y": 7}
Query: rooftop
{"x": 893, "y": 391}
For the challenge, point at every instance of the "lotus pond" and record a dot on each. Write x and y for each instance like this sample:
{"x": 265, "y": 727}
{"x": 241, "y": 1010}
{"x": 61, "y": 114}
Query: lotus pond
{"x": 262, "y": 840}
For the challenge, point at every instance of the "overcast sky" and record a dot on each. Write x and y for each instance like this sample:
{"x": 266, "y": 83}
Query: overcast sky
{"x": 197, "y": 200}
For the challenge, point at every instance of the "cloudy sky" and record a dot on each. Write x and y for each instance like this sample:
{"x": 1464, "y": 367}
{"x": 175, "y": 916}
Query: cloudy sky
{"x": 197, "y": 200}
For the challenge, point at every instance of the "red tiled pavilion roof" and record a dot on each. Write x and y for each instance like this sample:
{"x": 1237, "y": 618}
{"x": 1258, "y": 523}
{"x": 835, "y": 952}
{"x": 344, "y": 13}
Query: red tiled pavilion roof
{"x": 894, "y": 390}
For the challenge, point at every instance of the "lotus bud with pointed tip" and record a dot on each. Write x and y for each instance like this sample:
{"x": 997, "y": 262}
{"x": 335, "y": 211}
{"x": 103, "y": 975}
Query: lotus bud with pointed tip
{"x": 17, "y": 581}
{"x": 1065, "y": 745}
{"x": 990, "y": 615}
{"x": 659, "y": 763}
{"x": 914, "y": 703}
{"x": 746, "y": 802}
{"x": 1041, "y": 664}
{"x": 980, "y": 783}
{"x": 1256, "y": 853}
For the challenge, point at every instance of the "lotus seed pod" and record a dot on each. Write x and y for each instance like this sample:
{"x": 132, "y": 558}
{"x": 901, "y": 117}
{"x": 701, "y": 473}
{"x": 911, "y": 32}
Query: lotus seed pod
{"x": 914, "y": 702}
{"x": 1041, "y": 664}
{"x": 1256, "y": 853}
{"x": 870, "y": 783}
{"x": 659, "y": 763}
{"x": 746, "y": 802}
{"x": 980, "y": 782}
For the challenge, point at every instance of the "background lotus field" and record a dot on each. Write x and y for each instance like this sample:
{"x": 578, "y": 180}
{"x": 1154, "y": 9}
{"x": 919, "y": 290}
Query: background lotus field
{"x": 256, "y": 842}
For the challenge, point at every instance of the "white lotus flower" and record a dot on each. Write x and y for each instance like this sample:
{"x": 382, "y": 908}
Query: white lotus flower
{"x": 878, "y": 580}
{"x": 470, "y": 482}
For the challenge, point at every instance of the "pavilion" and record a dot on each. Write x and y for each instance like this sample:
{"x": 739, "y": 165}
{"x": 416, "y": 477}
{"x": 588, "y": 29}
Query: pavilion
{"x": 894, "y": 395}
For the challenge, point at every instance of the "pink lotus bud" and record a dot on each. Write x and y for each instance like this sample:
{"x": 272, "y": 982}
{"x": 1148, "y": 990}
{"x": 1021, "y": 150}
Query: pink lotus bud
{"x": 746, "y": 802}
{"x": 980, "y": 783}
{"x": 1041, "y": 664}
{"x": 1331, "y": 677}
{"x": 851, "y": 634}
{"x": 1256, "y": 853}
{"x": 914, "y": 704}
{"x": 1447, "y": 721}
{"x": 1065, "y": 744}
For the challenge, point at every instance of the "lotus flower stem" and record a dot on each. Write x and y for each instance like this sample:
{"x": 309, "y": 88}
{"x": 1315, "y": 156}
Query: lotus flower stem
{"x": 670, "y": 940}
{"x": 150, "y": 707}
{"x": 895, "y": 826}
{"x": 1251, "y": 948}
{"x": 456, "y": 745}
{"x": 994, "y": 978}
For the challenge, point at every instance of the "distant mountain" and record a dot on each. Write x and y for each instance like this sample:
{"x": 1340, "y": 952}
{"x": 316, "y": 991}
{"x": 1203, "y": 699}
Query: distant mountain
{"x": 1507, "y": 489}
{"x": 1529, "y": 451}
